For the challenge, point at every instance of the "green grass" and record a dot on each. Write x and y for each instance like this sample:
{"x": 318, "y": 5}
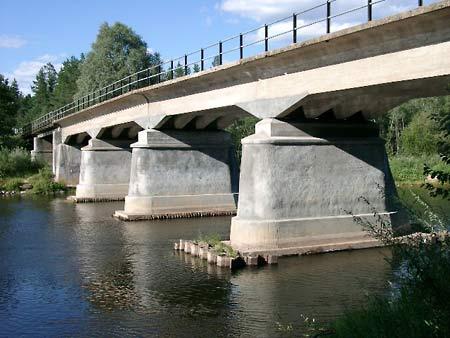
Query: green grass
{"x": 409, "y": 169}
{"x": 217, "y": 245}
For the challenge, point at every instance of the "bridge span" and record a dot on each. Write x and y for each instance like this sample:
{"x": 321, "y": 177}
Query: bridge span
{"x": 163, "y": 149}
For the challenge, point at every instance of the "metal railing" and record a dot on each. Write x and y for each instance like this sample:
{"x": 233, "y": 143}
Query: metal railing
{"x": 181, "y": 66}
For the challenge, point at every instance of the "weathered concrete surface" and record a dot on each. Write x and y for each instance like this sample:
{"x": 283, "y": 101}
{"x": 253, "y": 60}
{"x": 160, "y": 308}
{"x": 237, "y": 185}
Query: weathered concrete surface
{"x": 42, "y": 150}
{"x": 104, "y": 170}
{"x": 384, "y": 62}
{"x": 185, "y": 173}
{"x": 299, "y": 182}
{"x": 67, "y": 164}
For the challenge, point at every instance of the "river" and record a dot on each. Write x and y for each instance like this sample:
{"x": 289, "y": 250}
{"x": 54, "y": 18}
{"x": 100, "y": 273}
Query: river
{"x": 72, "y": 270}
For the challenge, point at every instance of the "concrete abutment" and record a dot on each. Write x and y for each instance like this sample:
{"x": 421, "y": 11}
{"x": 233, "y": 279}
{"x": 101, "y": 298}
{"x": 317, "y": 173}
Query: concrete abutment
{"x": 177, "y": 173}
{"x": 300, "y": 182}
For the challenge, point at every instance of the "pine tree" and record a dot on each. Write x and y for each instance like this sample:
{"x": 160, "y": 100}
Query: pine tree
{"x": 66, "y": 86}
{"x": 43, "y": 89}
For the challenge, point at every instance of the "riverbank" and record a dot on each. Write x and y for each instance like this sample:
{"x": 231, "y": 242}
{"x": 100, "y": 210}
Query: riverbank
{"x": 40, "y": 183}
{"x": 409, "y": 169}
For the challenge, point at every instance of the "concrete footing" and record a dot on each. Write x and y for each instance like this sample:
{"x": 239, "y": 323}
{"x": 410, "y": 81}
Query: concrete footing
{"x": 181, "y": 174}
{"x": 104, "y": 171}
{"x": 67, "y": 164}
{"x": 42, "y": 150}
{"x": 300, "y": 182}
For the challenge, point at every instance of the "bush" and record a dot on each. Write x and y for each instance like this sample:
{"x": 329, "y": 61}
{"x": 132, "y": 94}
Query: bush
{"x": 17, "y": 162}
{"x": 43, "y": 183}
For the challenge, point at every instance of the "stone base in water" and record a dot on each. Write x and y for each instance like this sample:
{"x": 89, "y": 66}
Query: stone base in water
{"x": 205, "y": 252}
{"x": 94, "y": 199}
{"x": 124, "y": 216}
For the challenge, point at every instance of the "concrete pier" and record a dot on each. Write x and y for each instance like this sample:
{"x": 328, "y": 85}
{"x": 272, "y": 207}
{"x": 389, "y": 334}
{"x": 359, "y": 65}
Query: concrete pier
{"x": 104, "y": 170}
{"x": 299, "y": 181}
{"x": 67, "y": 164}
{"x": 181, "y": 173}
{"x": 42, "y": 149}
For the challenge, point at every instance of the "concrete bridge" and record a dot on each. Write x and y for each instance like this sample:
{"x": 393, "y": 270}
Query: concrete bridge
{"x": 163, "y": 148}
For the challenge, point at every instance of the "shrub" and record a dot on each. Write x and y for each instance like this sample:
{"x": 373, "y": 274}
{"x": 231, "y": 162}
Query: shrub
{"x": 17, "y": 162}
{"x": 43, "y": 182}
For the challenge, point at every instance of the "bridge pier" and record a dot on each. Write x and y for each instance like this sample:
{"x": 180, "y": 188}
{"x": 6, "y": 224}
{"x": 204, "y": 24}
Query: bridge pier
{"x": 300, "y": 181}
{"x": 42, "y": 149}
{"x": 104, "y": 170}
{"x": 67, "y": 164}
{"x": 181, "y": 173}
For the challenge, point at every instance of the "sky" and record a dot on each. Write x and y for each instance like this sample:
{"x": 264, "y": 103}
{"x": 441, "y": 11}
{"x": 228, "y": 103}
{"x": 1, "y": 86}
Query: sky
{"x": 34, "y": 32}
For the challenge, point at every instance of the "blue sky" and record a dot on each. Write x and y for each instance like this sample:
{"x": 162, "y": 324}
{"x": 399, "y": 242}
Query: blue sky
{"x": 35, "y": 32}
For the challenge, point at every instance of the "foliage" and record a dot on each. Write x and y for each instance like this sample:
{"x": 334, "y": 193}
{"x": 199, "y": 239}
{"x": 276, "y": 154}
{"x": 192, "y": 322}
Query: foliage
{"x": 17, "y": 162}
{"x": 419, "y": 307}
{"x": 441, "y": 116}
{"x": 240, "y": 129}
{"x": 9, "y": 106}
{"x": 420, "y": 137}
{"x": 117, "y": 52}
{"x": 442, "y": 187}
{"x": 43, "y": 88}
{"x": 43, "y": 182}
{"x": 66, "y": 86}
{"x": 424, "y": 121}
{"x": 409, "y": 169}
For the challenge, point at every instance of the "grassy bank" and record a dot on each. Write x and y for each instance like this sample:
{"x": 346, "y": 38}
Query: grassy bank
{"x": 19, "y": 173}
{"x": 409, "y": 169}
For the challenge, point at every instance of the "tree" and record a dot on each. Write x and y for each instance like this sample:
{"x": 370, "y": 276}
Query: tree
{"x": 180, "y": 71}
{"x": 43, "y": 88}
{"x": 116, "y": 53}
{"x": 196, "y": 68}
{"x": 66, "y": 86}
{"x": 9, "y": 105}
{"x": 441, "y": 116}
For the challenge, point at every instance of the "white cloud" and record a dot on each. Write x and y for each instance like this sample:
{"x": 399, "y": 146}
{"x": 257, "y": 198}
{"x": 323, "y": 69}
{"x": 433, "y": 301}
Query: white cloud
{"x": 269, "y": 10}
{"x": 7, "y": 41}
{"x": 26, "y": 71}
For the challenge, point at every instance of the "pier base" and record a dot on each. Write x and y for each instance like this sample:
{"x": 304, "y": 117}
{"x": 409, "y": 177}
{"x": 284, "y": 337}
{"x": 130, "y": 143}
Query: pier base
{"x": 301, "y": 184}
{"x": 181, "y": 174}
{"x": 104, "y": 171}
{"x": 42, "y": 150}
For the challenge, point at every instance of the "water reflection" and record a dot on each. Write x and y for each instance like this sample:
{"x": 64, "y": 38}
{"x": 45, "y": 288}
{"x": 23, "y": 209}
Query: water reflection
{"x": 74, "y": 270}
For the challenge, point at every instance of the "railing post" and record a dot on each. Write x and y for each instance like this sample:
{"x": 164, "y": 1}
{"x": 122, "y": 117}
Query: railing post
{"x": 159, "y": 73}
{"x": 294, "y": 28}
{"x": 266, "y": 38}
{"x": 328, "y": 16}
{"x": 185, "y": 65}
{"x": 129, "y": 83}
{"x": 202, "y": 59}
{"x": 220, "y": 53}
{"x": 171, "y": 69}
{"x": 420, "y": 3}
{"x": 369, "y": 10}
{"x": 241, "y": 46}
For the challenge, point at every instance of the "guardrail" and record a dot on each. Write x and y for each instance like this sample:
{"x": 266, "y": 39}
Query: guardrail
{"x": 168, "y": 70}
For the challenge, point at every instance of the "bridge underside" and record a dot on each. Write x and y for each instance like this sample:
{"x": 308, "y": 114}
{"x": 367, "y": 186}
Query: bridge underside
{"x": 314, "y": 162}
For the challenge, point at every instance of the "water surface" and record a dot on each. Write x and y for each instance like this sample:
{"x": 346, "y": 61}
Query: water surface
{"x": 73, "y": 270}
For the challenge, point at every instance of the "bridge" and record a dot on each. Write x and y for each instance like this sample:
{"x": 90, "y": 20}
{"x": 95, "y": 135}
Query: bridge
{"x": 158, "y": 142}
